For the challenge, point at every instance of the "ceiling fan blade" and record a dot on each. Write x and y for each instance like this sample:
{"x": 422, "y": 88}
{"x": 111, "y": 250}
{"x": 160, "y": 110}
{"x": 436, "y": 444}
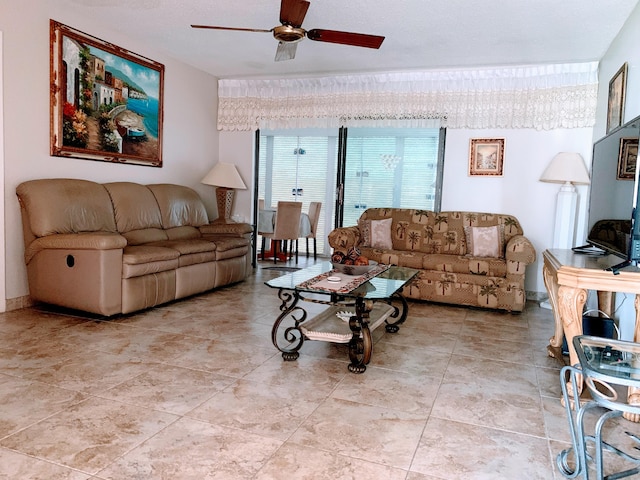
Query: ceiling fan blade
{"x": 286, "y": 51}
{"x": 292, "y": 12}
{"x": 345, "y": 38}
{"x": 213, "y": 27}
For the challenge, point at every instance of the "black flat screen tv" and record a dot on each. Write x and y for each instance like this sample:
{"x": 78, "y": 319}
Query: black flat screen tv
{"x": 613, "y": 219}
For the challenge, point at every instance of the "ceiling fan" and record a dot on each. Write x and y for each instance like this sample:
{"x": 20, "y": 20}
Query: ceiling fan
{"x": 292, "y": 13}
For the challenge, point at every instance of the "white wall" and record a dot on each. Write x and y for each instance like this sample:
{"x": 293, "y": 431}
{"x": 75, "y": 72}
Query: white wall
{"x": 237, "y": 148}
{"x": 3, "y": 282}
{"x": 190, "y": 146}
{"x": 623, "y": 49}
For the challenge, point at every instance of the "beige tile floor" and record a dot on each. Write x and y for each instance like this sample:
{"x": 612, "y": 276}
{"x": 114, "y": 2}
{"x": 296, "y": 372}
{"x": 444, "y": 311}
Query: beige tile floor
{"x": 196, "y": 390}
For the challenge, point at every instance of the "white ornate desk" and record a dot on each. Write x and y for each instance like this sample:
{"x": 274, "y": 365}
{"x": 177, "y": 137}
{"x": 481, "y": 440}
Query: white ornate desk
{"x": 568, "y": 276}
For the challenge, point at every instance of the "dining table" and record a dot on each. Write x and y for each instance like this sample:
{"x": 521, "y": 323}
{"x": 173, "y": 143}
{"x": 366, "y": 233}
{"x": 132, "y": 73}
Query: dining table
{"x": 267, "y": 222}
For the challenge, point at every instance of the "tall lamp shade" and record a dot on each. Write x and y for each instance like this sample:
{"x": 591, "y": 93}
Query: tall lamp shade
{"x": 226, "y": 178}
{"x": 568, "y": 169}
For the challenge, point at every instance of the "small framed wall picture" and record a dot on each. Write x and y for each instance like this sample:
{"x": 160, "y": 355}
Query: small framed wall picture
{"x": 627, "y": 158}
{"x": 486, "y": 156}
{"x": 615, "y": 106}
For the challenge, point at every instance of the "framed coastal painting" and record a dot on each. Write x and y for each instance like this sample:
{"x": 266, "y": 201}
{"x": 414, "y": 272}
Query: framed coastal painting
{"x": 106, "y": 102}
{"x": 627, "y": 158}
{"x": 617, "y": 90}
{"x": 486, "y": 156}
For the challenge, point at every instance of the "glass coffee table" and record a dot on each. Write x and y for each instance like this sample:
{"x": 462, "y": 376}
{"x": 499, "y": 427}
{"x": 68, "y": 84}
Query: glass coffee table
{"x": 355, "y": 306}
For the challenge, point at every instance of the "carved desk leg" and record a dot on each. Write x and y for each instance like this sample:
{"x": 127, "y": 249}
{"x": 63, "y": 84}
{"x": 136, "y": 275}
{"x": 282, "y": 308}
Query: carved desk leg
{"x": 633, "y": 394}
{"x": 555, "y": 342}
{"x": 570, "y": 305}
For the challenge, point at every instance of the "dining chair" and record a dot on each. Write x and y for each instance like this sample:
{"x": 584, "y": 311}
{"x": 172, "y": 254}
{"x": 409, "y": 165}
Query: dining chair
{"x": 314, "y": 218}
{"x": 261, "y": 204}
{"x": 286, "y": 228}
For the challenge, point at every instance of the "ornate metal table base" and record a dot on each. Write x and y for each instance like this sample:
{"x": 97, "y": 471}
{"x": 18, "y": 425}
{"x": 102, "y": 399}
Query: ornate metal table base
{"x": 349, "y": 321}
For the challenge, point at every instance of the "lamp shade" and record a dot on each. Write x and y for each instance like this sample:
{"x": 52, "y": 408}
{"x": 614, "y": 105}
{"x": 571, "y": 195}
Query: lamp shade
{"x": 224, "y": 175}
{"x": 566, "y": 167}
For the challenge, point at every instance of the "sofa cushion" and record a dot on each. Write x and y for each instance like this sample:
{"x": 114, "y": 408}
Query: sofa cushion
{"x": 137, "y": 254}
{"x": 394, "y": 257}
{"x": 146, "y": 235}
{"x": 408, "y": 226}
{"x": 231, "y": 247}
{"x": 483, "y": 266}
{"x": 179, "y": 206}
{"x": 62, "y": 205}
{"x": 230, "y": 243}
{"x": 485, "y": 241}
{"x": 145, "y": 259}
{"x": 376, "y": 233}
{"x": 135, "y": 207}
{"x": 183, "y": 233}
{"x": 187, "y": 247}
{"x": 365, "y": 232}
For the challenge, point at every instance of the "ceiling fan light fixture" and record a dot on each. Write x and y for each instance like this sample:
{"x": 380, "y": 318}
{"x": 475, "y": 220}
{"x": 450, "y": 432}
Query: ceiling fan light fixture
{"x": 288, "y": 34}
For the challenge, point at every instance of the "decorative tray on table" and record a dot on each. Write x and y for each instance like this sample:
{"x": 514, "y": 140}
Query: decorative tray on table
{"x": 354, "y": 270}
{"x": 352, "y": 262}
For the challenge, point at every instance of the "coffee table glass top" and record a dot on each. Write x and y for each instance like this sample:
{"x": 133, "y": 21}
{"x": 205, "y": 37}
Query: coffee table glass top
{"x": 382, "y": 286}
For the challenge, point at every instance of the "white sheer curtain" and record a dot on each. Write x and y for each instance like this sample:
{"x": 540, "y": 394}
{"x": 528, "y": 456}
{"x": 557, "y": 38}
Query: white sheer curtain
{"x": 540, "y": 97}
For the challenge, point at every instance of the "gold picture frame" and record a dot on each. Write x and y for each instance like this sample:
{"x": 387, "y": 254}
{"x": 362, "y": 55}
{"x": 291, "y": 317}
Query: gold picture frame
{"x": 617, "y": 91}
{"x": 486, "y": 157}
{"x": 106, "y": 103}
{"x": 627, "y": 158}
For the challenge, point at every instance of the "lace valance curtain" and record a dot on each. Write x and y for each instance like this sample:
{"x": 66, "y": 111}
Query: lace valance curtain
{"x": 540, "y": 97}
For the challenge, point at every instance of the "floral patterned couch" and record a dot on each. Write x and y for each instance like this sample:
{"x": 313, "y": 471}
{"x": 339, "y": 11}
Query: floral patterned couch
{"x": 465, "y": 258}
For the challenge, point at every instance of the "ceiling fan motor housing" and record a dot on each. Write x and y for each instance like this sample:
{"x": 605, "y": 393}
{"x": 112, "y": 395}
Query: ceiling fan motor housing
{"x": 288, "y": 34}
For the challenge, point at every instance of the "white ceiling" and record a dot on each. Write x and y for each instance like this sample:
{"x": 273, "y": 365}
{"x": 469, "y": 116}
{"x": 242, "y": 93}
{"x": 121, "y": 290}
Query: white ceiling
{"x": 420, "y": 34}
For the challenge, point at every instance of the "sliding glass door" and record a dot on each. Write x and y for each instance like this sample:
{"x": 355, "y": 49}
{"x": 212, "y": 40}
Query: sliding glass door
{"x": 300, "y": 168}
{"x": 349, "y": 171}
{"x": 391, "y": 168}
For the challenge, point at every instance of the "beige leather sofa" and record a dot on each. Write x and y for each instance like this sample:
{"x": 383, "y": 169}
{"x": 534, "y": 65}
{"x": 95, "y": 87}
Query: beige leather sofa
{"x": 484, "y": 270}
{"x": 121, "y": 247}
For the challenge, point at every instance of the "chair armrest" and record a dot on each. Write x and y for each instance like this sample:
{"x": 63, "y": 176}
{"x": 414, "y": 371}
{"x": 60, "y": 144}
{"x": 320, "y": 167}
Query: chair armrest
{"x": 76, "y": 241}
{"x": 222, "y": 229}
{"x": 520, "y": 249}
{"x": 343, "y": 238}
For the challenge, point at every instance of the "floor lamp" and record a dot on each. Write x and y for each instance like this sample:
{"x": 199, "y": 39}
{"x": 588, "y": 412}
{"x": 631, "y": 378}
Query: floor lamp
{"x": 569, "y": 170}
{"x": 226, "y": 178}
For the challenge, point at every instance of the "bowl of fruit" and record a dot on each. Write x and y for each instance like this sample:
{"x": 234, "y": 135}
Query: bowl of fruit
{"x": 352, "y": 263}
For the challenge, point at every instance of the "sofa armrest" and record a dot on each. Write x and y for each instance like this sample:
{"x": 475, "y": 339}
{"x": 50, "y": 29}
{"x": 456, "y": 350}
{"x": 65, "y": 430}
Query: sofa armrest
{"x": 222, "y": 229}
{"x": 76, "y": 241}
{"x": 520, "y": 249}
{"x": 343, "y": 238}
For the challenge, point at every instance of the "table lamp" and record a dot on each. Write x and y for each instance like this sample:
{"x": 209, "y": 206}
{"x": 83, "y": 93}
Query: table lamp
{"x": 226, "y": 178}
{"x": 569, "y": 170}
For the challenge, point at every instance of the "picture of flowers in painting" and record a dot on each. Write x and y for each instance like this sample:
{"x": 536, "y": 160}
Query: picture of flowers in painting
{"x": 106, "y": 102}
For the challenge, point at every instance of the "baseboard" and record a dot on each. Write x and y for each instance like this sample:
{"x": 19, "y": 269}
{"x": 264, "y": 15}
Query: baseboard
{"x": 537, "y": 296}
{"x": 19, "y": 302}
